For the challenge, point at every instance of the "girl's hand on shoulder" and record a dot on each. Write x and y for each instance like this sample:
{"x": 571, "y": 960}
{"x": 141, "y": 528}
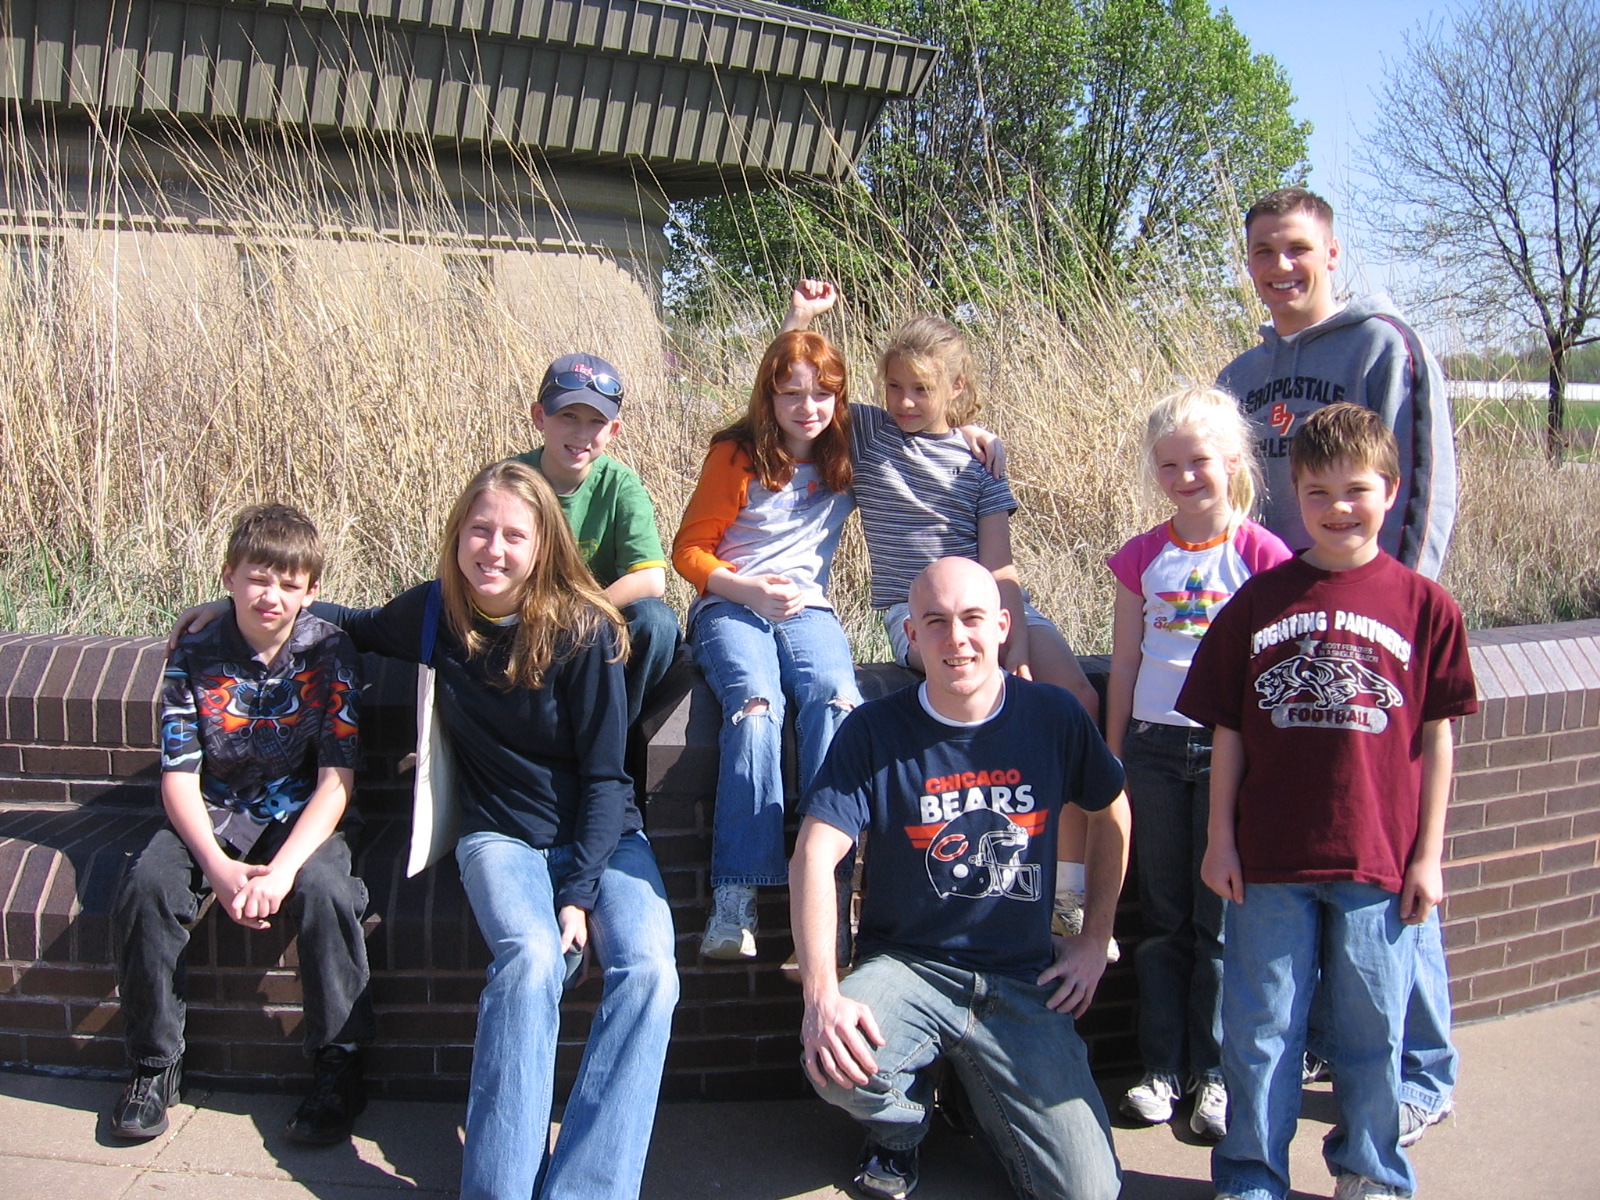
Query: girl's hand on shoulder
{"x": 986, "y": 447}
{"x": 193, "y": 620}
{"x": 809, "y": 300}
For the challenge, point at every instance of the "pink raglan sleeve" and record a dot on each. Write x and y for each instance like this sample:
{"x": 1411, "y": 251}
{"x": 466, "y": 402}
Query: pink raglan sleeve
{"x": 1260, "y": 548}
{"x": 1130, "y": 563}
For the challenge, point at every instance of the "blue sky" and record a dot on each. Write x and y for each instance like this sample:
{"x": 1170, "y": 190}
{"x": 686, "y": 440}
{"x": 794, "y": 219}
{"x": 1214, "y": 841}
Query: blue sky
{"x": 1334, "y": 54}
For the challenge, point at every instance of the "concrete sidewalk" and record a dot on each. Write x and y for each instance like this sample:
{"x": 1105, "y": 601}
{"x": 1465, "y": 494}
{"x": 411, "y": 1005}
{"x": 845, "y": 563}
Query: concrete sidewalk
{"x": 1528, "y": 1125}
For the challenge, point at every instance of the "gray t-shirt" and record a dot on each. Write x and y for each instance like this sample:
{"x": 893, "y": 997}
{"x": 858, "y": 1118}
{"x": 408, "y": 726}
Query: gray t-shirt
{"x": 921, "y": 497}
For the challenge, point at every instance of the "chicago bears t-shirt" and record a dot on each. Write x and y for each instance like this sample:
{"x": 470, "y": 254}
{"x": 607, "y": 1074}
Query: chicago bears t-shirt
{"x": 960, "y": 866}
{"x": 1329, "y": 677}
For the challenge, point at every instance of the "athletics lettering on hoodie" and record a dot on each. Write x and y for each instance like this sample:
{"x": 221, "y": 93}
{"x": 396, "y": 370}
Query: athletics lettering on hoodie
{"x": 1365, "y": 354}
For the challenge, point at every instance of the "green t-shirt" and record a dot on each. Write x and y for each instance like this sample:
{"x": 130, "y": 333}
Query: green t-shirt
{"x": 612, "y": 518}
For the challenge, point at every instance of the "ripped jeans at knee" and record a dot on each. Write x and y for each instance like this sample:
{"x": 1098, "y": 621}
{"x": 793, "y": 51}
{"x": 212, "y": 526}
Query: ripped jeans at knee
{"x": 762, "y": 671}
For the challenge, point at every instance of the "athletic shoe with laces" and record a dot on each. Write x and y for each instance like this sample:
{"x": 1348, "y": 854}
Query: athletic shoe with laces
{"x": 731, "y": 929}
{"x": 1210, "y": 1116}
{"x": 338, "y": 1096}
{"x": 1066, "y": 915}
{"x": 141, "y": 1111}
{"x": 1066, "y": 920}
{"x": 1416, "y": 1121}
{"x": 1350, "y": 1186}
{"x": 886, "y": 1174}
{"x": 1153, "y": 1098}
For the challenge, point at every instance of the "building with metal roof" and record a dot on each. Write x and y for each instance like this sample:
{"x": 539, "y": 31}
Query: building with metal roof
{"x": 551, "y": 126}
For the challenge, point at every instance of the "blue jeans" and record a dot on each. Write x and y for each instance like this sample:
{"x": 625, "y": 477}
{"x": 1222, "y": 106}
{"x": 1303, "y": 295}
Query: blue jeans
{"x": 751, "y": 662}
{"x": 1276, "y": 942}
{"x": 605, "y": 1129}
{"x": 1430, "y": 1060}
{"x": 1428, "y": 1068}
{"x": 1024, "y": 1068}
{"x": 1179, "y": 962}
{"x": 654, "y": 634}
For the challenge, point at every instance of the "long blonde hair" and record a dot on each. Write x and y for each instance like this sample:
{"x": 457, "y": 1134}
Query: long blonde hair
{"x": 1215, "y": 416}
{"x": 561, "y": 609}
{"x": 938, "y": 354}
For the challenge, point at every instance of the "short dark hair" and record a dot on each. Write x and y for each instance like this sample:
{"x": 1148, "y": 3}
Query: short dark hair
{"x": 277, "y": 536}
{"x": 1345, "y": 433}
{"x": 1290, "y": 200}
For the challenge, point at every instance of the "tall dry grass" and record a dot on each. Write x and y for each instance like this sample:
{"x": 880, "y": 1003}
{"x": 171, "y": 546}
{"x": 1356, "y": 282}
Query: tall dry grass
{"x": 145, "y": 396}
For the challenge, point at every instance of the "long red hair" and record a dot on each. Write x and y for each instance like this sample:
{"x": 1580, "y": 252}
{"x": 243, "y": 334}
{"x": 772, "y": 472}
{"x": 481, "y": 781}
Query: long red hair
{"x": 758, "y": 434}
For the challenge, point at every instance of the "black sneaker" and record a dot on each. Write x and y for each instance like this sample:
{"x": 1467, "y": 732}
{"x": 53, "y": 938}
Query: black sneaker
{"x": 338, "y": 1096}
{"x": 141, "y": 1111}
{"x": 886, "y": 1174}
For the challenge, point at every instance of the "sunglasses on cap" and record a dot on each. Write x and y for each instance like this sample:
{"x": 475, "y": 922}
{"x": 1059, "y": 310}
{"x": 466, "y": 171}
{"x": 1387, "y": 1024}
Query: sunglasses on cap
{"x": 572, "y": 381}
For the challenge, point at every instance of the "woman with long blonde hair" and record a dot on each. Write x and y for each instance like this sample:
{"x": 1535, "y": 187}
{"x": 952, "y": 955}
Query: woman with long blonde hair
{"x": 529, "y": 692}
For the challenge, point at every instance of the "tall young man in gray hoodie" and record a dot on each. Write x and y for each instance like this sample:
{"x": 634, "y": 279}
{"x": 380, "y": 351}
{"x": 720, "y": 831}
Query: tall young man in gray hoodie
{"x": 1319, "y": 350}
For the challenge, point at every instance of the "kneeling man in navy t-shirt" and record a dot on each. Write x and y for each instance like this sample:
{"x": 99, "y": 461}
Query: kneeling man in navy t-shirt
{"x": 960, "y": 781}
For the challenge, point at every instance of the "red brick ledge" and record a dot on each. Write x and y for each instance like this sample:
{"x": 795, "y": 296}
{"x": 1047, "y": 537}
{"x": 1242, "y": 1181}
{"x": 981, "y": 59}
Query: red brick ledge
{"x": 77, "y": 791}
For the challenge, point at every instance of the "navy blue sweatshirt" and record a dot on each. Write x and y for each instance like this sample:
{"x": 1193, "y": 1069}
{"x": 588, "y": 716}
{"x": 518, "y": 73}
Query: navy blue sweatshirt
{"x": 541, "y": 764}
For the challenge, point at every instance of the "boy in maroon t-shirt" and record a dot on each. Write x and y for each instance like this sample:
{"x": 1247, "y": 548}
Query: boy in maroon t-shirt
{"x": 1330, "y": 680}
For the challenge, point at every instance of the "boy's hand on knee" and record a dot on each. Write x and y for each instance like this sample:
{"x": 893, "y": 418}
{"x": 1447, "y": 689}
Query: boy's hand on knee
{"x": 836, "y": 1033}
{"x": 1423, "y": 888}
{"x": 261, "y": 896}
{"x": 227, "y": 880}
{"x": 1222, "y": 872}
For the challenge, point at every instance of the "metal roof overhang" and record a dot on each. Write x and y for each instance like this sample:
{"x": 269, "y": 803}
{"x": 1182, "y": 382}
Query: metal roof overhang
{"x": 700, "y": 95}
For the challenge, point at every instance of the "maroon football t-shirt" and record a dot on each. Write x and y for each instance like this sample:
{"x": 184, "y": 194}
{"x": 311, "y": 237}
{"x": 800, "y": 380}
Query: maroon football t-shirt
{"x": 1329, "y": 677}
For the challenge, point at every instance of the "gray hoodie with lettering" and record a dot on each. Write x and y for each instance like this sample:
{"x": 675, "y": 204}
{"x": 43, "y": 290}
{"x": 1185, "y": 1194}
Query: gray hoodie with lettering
{"x": 1365, "y": 354}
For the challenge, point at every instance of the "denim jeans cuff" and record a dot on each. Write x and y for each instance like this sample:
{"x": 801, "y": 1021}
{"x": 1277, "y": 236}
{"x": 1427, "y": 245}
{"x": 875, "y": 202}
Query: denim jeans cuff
{"x": 750, "y": 881}
{"x": 1424, "y": 1098}
{"x": 895, "y": 1143}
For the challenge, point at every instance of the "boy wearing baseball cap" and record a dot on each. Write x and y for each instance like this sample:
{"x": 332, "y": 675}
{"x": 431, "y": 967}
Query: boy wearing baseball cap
{"x": 579, "y": 411}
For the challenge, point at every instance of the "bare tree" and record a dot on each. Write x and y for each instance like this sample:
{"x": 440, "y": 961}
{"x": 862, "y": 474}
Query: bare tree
{"x": 1485, "y": 164}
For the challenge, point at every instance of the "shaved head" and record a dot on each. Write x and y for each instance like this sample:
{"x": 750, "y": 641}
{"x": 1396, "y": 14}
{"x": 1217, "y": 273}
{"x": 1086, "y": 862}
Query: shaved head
{"x": 958, "y": 625}
{"x": 948, "y": 577}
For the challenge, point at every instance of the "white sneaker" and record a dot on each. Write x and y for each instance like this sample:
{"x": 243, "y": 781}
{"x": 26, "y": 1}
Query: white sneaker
{"x": 1066, "y": 915}
{"x": 1153, "y": 1098}
{"x": 1350, "y": 1186}
{"x": 1416, "y": 1121}
{"x": 731, "y": 929}
{"x": 1066, "y": 920}
{"x": 1210, "y": 1117}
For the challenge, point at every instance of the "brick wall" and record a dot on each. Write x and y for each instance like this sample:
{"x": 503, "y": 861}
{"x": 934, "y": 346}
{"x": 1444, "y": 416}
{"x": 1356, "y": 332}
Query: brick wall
{"x": 78, "y": 792}
{"x": 1522, "y": 915}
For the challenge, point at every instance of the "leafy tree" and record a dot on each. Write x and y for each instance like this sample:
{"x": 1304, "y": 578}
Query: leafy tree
{"x": 1094, "y": 127}
{"x": 1485, "y": 164}
{"x": 1173, "y": 110}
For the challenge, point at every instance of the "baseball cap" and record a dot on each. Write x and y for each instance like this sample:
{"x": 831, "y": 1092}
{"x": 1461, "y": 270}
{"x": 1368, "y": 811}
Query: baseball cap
{"x": 582, "y": 379}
